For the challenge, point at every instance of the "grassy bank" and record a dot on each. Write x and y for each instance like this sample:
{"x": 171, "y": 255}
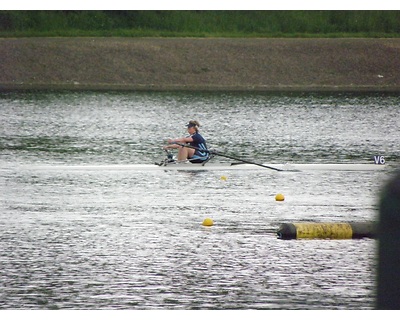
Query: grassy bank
{"x": 383, "y": 24}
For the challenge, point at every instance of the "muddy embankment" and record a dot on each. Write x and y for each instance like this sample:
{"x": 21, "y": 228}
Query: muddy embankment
{"x": 200, "y": 64}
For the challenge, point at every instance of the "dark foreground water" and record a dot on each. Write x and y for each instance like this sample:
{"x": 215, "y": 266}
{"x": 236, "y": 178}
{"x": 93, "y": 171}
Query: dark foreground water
{"x": 132, "y": 239}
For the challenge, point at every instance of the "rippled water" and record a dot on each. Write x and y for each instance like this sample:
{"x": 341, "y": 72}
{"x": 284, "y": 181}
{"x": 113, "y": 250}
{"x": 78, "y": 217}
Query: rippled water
{"x": 131, "y": 239}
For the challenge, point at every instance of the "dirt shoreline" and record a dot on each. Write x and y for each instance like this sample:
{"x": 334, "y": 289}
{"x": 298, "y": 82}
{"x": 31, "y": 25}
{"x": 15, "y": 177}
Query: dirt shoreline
{"x": 200, "y": 64}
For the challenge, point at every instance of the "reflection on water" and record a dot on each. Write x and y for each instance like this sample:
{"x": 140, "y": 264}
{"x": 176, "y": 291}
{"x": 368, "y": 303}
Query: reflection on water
{"x": 123, "y": 239}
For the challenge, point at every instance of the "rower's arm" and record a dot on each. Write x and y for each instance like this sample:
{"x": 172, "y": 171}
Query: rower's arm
{"x": 180, "y": 140}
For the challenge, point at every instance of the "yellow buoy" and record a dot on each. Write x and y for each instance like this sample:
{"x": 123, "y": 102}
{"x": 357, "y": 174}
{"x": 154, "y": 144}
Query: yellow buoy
{"x": 224, "y": 178}
{"x": 207, "y": 222}
{"x": 279, "y": 197}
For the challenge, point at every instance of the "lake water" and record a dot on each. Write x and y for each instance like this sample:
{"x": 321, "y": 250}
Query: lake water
{"x": 132, "y": 239}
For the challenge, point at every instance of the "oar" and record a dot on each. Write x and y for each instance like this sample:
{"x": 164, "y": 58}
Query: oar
{"x": 228, "y": 156}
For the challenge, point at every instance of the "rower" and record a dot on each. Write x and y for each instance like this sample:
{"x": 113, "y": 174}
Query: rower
{"x": 195, "y": 140}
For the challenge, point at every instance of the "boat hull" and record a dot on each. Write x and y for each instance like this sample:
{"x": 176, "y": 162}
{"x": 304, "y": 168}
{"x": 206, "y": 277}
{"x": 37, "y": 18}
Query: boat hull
{"x": 211, "y": 167}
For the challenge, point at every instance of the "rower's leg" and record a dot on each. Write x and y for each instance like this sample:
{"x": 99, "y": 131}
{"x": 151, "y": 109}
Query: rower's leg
{"x": 185, "y": 153}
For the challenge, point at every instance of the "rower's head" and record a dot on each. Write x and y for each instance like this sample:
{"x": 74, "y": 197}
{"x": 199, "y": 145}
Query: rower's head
{"x": 193, "y": 126}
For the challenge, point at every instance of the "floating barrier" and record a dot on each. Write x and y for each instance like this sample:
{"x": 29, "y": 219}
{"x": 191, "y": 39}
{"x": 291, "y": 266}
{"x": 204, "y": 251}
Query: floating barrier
{"x": 313, "y": 230}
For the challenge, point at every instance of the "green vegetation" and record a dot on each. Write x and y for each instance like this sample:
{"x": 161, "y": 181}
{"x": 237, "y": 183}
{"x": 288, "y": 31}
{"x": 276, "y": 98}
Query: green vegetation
{"x": 200, "y": 23}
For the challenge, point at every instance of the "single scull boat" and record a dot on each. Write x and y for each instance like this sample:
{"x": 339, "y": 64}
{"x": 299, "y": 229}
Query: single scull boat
{"x": 288, "y": 167}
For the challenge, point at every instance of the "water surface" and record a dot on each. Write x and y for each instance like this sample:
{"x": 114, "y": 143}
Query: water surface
{"x": 131, "y": 239}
